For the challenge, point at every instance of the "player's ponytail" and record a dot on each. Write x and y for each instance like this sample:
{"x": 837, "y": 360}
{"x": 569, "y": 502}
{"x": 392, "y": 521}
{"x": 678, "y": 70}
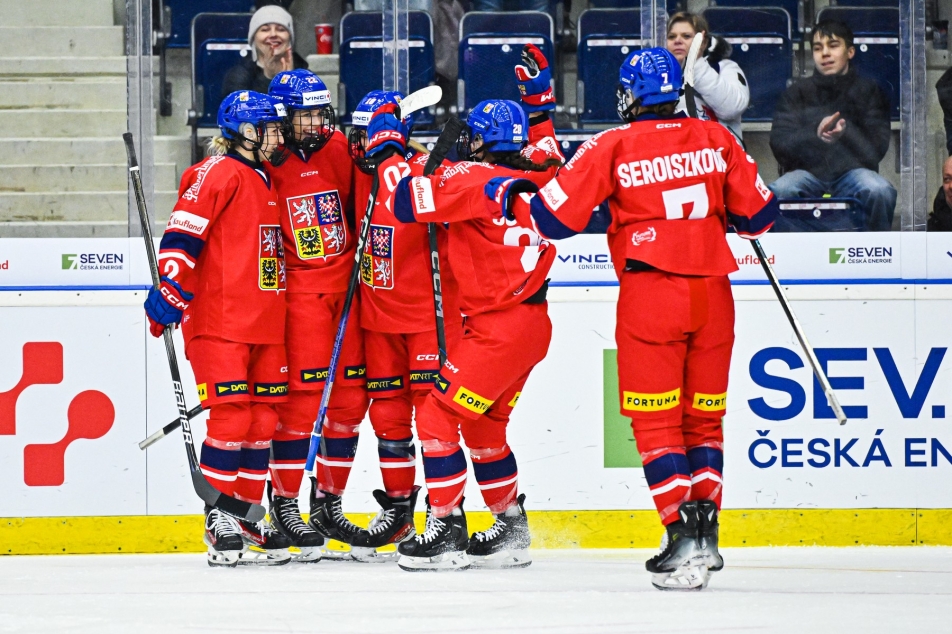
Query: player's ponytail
{"x": 219, "y": 145}
{"x": 517, "y": 161}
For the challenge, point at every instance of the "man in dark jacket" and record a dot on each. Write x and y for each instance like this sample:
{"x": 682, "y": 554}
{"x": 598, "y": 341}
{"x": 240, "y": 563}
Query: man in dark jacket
{"x": 831, "y": 130}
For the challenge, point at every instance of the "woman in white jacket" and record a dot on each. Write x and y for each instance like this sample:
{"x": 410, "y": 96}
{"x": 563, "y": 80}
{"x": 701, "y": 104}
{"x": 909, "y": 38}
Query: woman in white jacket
{"x": 721, "y": 92}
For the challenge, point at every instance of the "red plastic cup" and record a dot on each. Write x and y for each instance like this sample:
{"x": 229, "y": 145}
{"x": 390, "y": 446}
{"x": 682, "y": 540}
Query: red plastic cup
{"x": 324, "y": 34}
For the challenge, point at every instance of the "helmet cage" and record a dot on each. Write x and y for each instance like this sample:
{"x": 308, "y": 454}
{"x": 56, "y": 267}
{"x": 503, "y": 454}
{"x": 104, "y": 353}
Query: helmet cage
{"x": 356, "y": 139}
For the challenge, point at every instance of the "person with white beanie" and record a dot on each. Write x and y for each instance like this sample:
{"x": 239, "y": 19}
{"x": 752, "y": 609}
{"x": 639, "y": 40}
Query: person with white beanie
{"x": 271, "y": 39}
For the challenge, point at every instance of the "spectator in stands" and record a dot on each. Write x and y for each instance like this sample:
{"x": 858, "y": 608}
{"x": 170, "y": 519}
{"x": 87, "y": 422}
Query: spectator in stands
{"x": 943, "y": 89}
{"x": 271, "y": 38}
{"x": 941, "y": 217}
{"x": 720, "y": 87}
{"x": 831, "y": 130}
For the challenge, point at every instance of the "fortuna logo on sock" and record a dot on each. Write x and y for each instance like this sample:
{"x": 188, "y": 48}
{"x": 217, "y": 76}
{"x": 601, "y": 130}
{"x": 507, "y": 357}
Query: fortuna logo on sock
{"x": 638, "y": 402}
{"x": 710, "y": 402}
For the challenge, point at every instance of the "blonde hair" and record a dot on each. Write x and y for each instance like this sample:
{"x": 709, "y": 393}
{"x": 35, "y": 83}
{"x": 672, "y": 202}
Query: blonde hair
{"x": 218, "y": 145}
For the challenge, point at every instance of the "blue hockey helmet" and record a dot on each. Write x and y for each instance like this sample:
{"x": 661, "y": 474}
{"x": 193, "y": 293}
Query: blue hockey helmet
{"x": 651, "y": 76}
{"x": 360, "y": 119}
{"x": 500, "y": 124}
{"x": 301, "y": 91}
{"x": 254, "y": 108}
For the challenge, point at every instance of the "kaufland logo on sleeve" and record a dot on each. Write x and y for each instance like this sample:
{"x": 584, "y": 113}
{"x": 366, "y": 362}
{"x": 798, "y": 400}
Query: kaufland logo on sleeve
{"x": 187, "y": 222}
{"x": 422, "y": 192}
{"x": 861, "y": 255}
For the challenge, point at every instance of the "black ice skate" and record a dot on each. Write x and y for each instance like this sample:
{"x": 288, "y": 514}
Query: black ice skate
{"x": 392, "y": 525}
{"x": 286, "y": 518}
{"x": 707, "y": 529}
{"x": 327, "y": 518}
{"x": 441, "y": 547}
{"x": 679, "y": 565}
{"x": 505, "y": 544}
{"x": 223, "y": 538}
{"x": 264, "y": 546}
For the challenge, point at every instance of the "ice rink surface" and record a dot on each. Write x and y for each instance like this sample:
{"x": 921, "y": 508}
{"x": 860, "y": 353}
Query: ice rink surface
{"x": 802, "y": 590}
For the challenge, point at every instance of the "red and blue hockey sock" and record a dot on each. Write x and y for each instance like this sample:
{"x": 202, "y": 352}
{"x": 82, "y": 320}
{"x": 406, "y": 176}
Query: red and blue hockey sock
{"x": 220, "y": 463}
{"x": 288, "y": 458}
{"x": 444, "y": 467}
{"x": 707, "y": 466}
{"x": 335, "y": 456}
{"x": 496, "y": 472}
{"x": 253, "y": 471}
{"x": 669, "y": 480}
{"x": 397, "y": 466}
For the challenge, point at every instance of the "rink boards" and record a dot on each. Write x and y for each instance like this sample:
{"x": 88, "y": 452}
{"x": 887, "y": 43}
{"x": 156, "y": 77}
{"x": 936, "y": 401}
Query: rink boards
{"x": 94, "y": 384}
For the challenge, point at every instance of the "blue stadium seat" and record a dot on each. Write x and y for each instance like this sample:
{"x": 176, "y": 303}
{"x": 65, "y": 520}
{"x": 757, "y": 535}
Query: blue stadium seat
{"x": 605, "y": 38}
{"x": 762, "y": 47}
{"x": 182, "y": 12}
{"x": 865, "y": 3}
{"x": 219, "y": 41}
{"x": 490, "y": 46}
{"x": 794, "y": 9}
{"x": 876, "y": 38}
{"x": 361, "y": 58}
{"x": 819, "y": 214}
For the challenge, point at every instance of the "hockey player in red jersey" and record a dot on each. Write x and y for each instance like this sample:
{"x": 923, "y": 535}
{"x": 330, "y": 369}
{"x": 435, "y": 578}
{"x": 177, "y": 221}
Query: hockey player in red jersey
{"x": 501, "y": 270}
{"x": 222, "y": 265}
{"x": 315, "y": 190}
{"x": 673, "y": 184}
{"x": 396, "y": 292}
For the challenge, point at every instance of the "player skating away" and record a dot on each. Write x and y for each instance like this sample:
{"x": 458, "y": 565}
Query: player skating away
{"x": 398, "y": 323}
{"x": 222, "y": 264}
{"x": 315, "y": 189}
{"x": 673, "y": 184}
{"x": 501, "y": 270}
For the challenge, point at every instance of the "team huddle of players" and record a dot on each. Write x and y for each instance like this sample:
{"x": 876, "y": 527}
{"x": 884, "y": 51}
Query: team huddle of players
{"x": 256, "y": 260}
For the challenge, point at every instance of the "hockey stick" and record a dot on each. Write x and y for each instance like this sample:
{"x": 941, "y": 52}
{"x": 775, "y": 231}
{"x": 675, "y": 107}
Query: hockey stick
{"x": 768, "y": 269}
{"x": 423, "y": 98}
{"x": 801, "y": 336}
{"x": 168, "y": 429}
{"x": 451, "y": 132}
{"x": 418, "y": 100}
{"x": 211, "y": 496}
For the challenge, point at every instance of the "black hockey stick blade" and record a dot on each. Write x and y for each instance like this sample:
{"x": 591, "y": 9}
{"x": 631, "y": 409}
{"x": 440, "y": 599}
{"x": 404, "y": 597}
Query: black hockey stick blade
{"x": 168, "y": 429}
{"x": 445, "y": 142}
{"x": 203, "y": 488}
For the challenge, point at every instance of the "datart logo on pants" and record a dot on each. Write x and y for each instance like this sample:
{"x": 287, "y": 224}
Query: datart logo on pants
{"x": 90, "y": 414}
{"x": 92, "y": 261}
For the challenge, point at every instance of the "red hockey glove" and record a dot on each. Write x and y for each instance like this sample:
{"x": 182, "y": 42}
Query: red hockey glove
{"x": 535, "y": 80}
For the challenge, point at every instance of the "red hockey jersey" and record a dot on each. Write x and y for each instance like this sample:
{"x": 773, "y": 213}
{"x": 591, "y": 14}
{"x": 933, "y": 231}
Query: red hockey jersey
{"x": 396, "y": 280}
{"x": 223, "y": 243}
{"x": 496, "y": 262}
{"x": 316, "y": 201}
{"x": 672, "y": 185}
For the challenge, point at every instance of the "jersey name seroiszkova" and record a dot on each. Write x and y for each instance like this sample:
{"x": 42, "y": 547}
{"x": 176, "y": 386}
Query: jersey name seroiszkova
{"x": 316, "y": 202}
{"x": 664, "y": 171}
{"x": 230, "y": 256}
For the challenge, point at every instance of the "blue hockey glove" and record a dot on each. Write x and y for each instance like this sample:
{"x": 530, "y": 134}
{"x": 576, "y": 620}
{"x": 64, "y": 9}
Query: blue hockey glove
{"x": 165, "y": 305}
{"x": 385, "y": 130}
{"x": 502, "y": 190}
{"x": 534, "y": 79}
